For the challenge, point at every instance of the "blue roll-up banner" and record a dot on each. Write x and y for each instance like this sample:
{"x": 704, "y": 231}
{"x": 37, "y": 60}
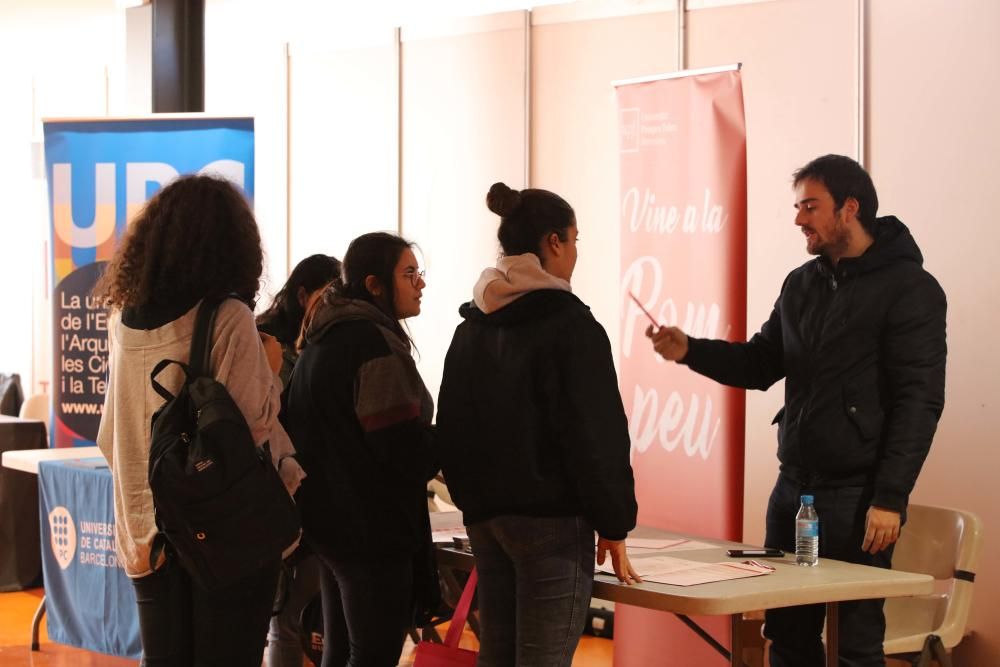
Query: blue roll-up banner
{"x": 89, "y": 601}
{"x": 100, "y": 174}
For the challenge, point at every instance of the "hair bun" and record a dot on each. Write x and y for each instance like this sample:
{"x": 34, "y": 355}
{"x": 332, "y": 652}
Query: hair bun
{"x": 502, "y": 200}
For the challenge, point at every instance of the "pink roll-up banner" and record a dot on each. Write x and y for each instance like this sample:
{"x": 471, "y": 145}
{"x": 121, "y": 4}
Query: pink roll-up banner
{"x": 683, "y": 245}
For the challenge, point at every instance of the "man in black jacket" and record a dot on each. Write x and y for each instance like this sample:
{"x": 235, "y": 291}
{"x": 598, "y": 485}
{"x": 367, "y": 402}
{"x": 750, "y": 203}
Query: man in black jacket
{"x": 859, "y": 336}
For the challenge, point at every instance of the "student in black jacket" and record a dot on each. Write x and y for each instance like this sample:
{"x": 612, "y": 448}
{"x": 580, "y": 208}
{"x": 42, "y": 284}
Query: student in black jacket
{"x": 859, "y": 336}
{"x": 360, "y": 415}
{"x": 298, "y": 583}
{"x": 533, "y": 438}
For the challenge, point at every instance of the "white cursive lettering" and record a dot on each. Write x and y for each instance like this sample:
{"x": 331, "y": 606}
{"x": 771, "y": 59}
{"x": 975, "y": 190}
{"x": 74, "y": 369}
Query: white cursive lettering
{"x": 676, "y": 424}
{"x": 642, "y": 213}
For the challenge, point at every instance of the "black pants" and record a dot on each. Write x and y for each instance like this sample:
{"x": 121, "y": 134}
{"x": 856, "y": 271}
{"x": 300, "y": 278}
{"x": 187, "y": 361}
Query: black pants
{"x": 367, "y": 607}
{"x": 182, "y": 625}
{"x": 795, "y": 631}
{"x": 284, "y": 639}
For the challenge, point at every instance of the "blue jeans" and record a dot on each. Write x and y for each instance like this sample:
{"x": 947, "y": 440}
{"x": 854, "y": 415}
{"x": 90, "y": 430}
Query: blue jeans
{"x": 535, "y": 580}
{"x": 795, "y": 631}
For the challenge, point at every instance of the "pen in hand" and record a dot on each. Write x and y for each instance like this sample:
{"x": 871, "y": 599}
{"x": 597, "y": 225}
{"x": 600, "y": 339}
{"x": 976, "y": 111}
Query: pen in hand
{"x": 644, "y": 311}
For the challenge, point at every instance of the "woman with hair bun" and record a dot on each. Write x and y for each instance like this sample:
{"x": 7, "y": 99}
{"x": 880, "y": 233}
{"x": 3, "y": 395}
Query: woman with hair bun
{"x": 533, "y": 438}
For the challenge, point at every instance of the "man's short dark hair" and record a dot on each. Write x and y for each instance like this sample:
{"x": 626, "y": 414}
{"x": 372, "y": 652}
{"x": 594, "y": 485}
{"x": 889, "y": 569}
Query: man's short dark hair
{"x": 843, "y": 178}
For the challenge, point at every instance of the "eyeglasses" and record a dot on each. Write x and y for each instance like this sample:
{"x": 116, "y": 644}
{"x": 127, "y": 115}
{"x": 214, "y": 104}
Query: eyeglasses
{"x": 414, "y": 275}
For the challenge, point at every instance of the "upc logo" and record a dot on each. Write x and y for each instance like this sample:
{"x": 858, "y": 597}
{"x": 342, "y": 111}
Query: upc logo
{"x": 62, "y": 536}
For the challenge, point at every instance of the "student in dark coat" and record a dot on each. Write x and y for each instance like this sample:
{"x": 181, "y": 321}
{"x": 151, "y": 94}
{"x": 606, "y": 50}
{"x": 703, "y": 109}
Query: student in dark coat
{"x": 533, "y": 438}
{"x": 858, "y": 334}
{"x": 299, "y": 581}
{"x": 361, "y": 415}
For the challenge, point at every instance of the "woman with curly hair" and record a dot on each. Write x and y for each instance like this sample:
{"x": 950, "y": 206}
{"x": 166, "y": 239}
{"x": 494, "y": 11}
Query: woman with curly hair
{"x": 195, "y": 239}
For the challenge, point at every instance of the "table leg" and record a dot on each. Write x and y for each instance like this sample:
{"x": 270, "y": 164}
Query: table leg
{"x": 832, "y": 633}
{"x": 736, "y": 652}
{"x": 35, "y": 622}
{"x": 698, "y": 630}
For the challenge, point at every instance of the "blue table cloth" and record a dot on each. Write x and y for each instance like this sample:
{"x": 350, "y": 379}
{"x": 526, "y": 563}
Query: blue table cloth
{"x": 90, "y": 603}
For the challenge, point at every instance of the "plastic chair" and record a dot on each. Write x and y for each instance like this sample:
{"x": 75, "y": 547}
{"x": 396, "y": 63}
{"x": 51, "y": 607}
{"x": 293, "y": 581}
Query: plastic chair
{"x": 37, "y": 407}
{"x": 945, "y": 544}
{"x": 11, "y": 396}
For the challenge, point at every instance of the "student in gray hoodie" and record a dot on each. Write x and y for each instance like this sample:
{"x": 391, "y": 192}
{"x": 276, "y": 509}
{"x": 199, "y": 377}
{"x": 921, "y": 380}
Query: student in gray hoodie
{"x": 196, "y": 238}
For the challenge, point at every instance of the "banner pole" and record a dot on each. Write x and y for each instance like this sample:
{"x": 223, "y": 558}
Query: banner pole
{"x": 862, "y": 126}
{"x": 527, "y": 99}
{"x": 678, "y": 75}
{"x": 288, "y": 159}
{"x": 681, "y": 35}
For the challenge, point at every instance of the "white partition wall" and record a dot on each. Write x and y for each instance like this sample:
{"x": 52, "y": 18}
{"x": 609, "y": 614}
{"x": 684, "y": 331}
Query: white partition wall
{"x": 463, "y": 101}
{"x": 934, "y": 138}
{"x": 343, "y": 145}
{"x": 246, "y": 75}
{"x": 574, "y": 144}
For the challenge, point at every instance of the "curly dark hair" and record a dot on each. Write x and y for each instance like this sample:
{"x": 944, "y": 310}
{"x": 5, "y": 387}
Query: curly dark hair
{"x": 196, "y": 238}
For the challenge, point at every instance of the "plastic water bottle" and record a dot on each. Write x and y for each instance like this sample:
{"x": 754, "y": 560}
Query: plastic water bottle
{"x": 807, "y": 534}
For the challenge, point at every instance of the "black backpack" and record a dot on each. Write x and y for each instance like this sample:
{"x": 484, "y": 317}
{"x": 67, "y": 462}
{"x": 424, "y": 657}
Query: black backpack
{"x": 219, "y": 503}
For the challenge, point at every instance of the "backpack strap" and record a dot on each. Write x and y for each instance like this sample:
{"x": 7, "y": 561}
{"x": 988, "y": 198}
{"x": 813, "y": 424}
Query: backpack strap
{"x": 200, "y": 361}
{"x": 199, "y": 364}
{"x": 159, "y": 388}
{"x": 157, "y": 548}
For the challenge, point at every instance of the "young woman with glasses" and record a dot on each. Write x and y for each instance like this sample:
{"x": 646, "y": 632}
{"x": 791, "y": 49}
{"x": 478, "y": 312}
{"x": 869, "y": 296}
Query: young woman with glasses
{"x": 360, "y": 416}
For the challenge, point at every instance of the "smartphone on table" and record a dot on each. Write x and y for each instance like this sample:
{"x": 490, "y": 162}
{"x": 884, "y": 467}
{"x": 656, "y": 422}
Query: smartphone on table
{"x": 765, "y": 552}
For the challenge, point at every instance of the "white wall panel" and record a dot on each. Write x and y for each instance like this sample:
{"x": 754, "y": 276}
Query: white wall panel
{"x": 463, "y": 129}
{"x": 344, "y": 137}
{"x": 934, "y": 138}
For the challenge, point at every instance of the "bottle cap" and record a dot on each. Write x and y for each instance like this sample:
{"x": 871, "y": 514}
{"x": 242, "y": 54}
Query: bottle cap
{"x": 807, "y": 500}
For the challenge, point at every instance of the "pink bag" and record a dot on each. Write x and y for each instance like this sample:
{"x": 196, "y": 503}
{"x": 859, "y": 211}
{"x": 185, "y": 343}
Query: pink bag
{"x": 429, "y": 654}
